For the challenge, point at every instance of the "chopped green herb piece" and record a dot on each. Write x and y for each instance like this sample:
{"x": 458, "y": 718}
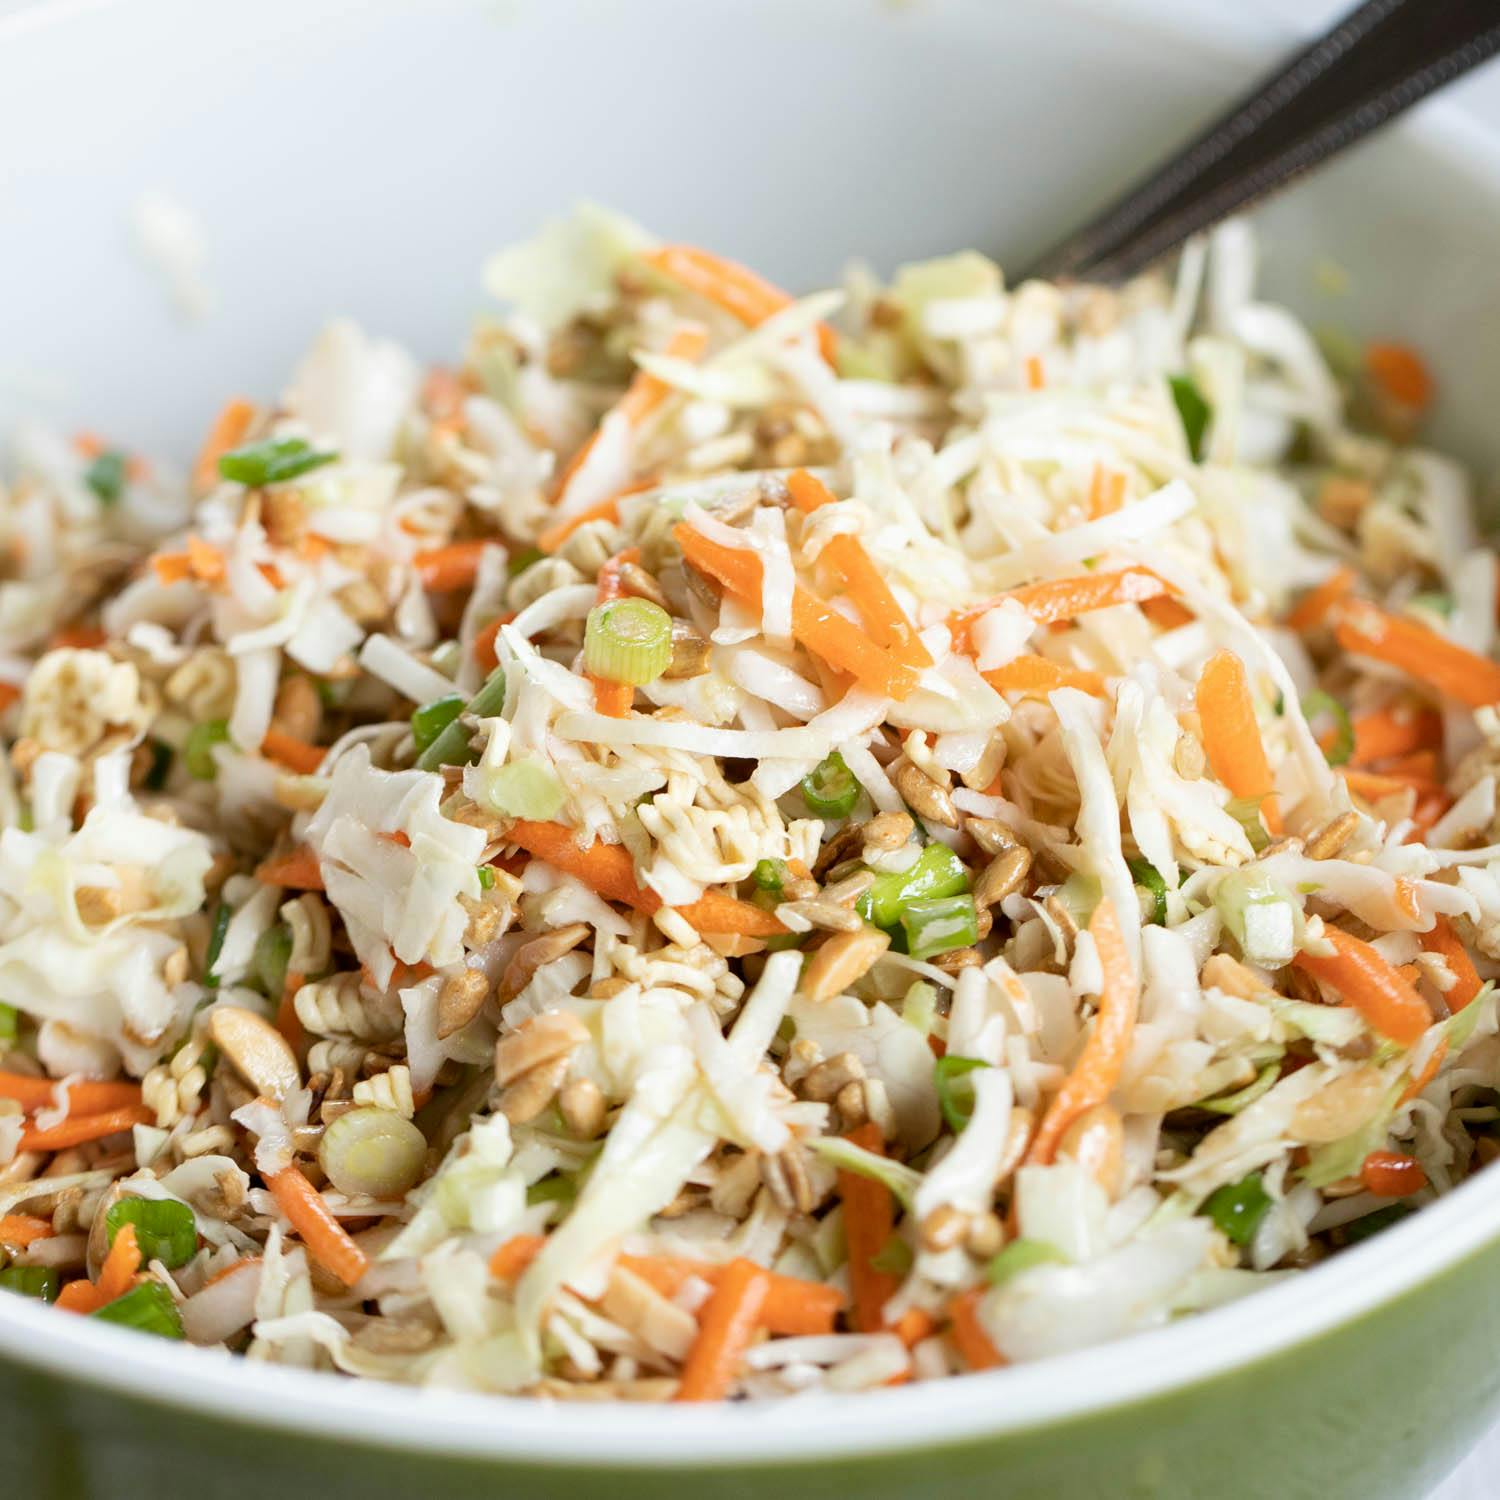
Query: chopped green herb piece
{"x": 936, "y": 871}
{"x": 272, "y": 461}
{"x": 429, "y": 721}
{"x": 197, "y": 753}
{"x": 955, "y": 1099}
{"x": 770, "y": 875}
{"x": 1022, "y": 1255}
{"x": 164, "y": 1228}
{"x": 42, "y": 1282}
{"x": 148, "y": 1307}
{"x": 1148, "y": 877}
{"x": 222, "y": 914}
{"x": 1194, "y": 411}
{"x": 939, "y": 924}
{"x": 1237, "y": 1208}
{"x": 486, "y": 877}
{"x": 106, "y": 476}
{"x": 830, "y": 789}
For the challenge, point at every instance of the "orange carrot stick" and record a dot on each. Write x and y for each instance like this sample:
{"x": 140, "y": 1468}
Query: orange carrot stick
{"x": 1315, "y": 606}
{"x": 735, "y": 288}
{"x": 76, "y": 1130}
{"x": 793, "y": 1307}
{"x": 869, "y": 1220}
{"x": 1373, "y": 785}
{"x": 1036, "y": 676}
{"x": 297, "y": 870}
{"x": 1106, "y": 491}
{"x": 20, "y": 1230}
{"x": 825, "y": 632}
{"x": 1098, "y": 1068}
{"x": 1444, "y": 940}
{"x": 878, "y": 607}
{"x": 1231, "y": 737}
{"x": 1389, "y": 1174}
{"x": 728, "y": 1322}
{"x": 120, "y": 1265}
{"x": 1370, "y": 985}
{"x": 1429, "y": 658}
{"x": 1428, "y": 1073}
{"x": 287, "y": 750}
{"x": 453, "y": 566}
{"x": 1066, "y": 598}
{"x": 9, "y": 693}
{"x": 287, "y": 1022}
{"x": 1393, "y": 731}
{"x": 323, "y": 1235}
{"x": 513, "y": 1257}
{"x": 1400, "y": 373}
{"x": 969, "y": 1337}
{"x": 228, "y": 431}
{"x": 83, "y": 1098}
{"x": 612, "y": 698}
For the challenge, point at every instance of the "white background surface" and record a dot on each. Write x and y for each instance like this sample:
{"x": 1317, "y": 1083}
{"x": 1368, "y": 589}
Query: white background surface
{"x": 1476, "y": 1479}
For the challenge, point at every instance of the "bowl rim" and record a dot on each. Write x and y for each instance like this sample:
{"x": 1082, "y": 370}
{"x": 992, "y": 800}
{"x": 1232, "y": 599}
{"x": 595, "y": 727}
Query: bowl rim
{"x": 813, "y": 1427}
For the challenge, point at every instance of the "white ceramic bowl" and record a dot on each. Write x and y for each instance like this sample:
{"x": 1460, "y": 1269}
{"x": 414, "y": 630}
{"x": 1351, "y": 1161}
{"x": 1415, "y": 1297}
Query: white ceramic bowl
{"x": 362, "y": 156}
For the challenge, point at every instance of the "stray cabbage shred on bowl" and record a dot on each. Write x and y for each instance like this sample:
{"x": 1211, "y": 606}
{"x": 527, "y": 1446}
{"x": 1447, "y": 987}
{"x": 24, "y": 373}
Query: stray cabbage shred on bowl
{"x": 729, "y": 845}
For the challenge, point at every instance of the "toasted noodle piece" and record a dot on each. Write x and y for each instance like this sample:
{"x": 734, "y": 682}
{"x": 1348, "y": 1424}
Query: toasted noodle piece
{"x": 1369, "y": 985}
{"x": 1231, "y": 737}
{"x": 1098, "y": 1068}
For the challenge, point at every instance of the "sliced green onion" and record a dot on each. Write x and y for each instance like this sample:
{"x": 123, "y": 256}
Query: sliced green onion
{"x": 272, "y": 461}
{"x": 1148, "y": 877}
{"x": 520, "y": 561}
{"x": 954, "y": 1099}
{"x": 555, "y": 1187}
{"x": 106, "y": 476}
{"x": 779, "y": 942}
{"x": 770, "y": 875}
{"x": 372, "y": 1151}
{"x": 41, "y": 1282}
{"x": 10, "y": 1024}
{"x": 1262, "y": 918}
{"x": 1318, "y": 702}
{"x": 272, "y": 956}
{"x": 490, "y": 698}
{"x": 486, "y": 875}
{"x": 1434, "y": 602}
{"x": 939, "y": 924}
{"x": 1362, "y": 1228}
{"x": 222, "y": 914}
{"x": 1246, "y": 812}
{"x": 161, "y": 763}
{"x": 1237, "y": 1208}
{"x": 919, "y": 1007}
{"x": 894, "y": 1257}
{"x": 830, "y": 789}
{"x": 1232, "y": 1104}
{"x": 148, "y": 1307}
{"x": 429, "y": 721}
{"x": 450, "y": 748}
{"x": 164, "y": 1228}
{"x": 1022, "y": 1255}
{"x": 627, "y": 640}
{"x": 197, "y": 753}
{"x": 523, "y": 789}
{"x": 936, "y": 871}
{"x": 1194, "y": 411}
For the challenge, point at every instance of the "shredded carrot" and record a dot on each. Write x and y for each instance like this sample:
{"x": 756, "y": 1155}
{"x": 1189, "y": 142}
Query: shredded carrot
{"x": 1231, "y": 737}
{"x": 297, "y": 870}
{"x": 1420, "y": 765}
{"x": 1098, "y": 1068}
{"x": 871, "y": 595}
{"x": 78, "y": 637}
{"x": 825, "y": 632}
{"x": 9, "y": 693}
{"x": 793, "y": 1307}
{"x": 735, "y": 288}
{"x": 323, "y": 1235}
{"x": 1428, "y": 1073}
{"x": 1423, "y": 654}
{"x": 1370, "y": 985}
{"x": 1106, "y": 491}
{"x": 287, "y": 1022}
{"x": 969, "y": 1337}
{"x": 287, "y": 750}
{"x": 1061, "y": 599}
{"x": 609, "y": 870}
{"x": 206, "y": 560}
{"x": 1400, "y": 373}
{"x": 610, "y": 583}
{"x": 606, "y": 510}
{"x": 612, "y": 698}
{"x": 453, "y": 566}
{"x": 1443, "y": 940}
{"x": 1036, "y": 676}
{"x": 484, "y": 643}
{"x": 1373, "y": 785}
{"x": 80, "y": 1296}
{"x": 513, "y": 1257}
{"x": 914, "y": 1325}
{"x": 1393, "y": 730}
{"x": 20, "y": 1230}
{"x": 1389, "y": 1174}
{"x": 228, "y": 431}
{"x": 1167, "y": 613}
{"x": 869, "y": 1221}
{"x": 120, "y": 1265}
{"x": 726, "y": 1326}
{"x": 1406, "y": 898}
{"x": 78, "y": 1129}
{"x": 83, "y": 1098}
{"x": 1317, "y": 604}
{"x": 1036, "y": 372}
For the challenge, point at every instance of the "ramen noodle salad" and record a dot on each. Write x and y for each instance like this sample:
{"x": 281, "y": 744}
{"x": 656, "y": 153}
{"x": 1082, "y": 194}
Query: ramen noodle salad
{"x": 724, "y": 845}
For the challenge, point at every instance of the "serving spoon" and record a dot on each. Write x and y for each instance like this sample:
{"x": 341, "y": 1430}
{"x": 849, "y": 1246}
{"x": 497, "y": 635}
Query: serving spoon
{"x": 1377, "y": 61}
